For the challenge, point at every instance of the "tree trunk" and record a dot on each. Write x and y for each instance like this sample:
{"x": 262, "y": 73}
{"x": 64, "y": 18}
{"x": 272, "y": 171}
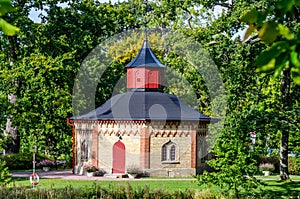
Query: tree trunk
{"x": 12, "y": 138}
{"x": 11, "y": 132}
{"x": 284, "y": 144}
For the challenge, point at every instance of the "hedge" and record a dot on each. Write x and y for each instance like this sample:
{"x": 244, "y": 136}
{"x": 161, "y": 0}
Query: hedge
{"x": 21, "y": 161}
{"x": 294, "y": 165}
{"x": 96, "y": 191}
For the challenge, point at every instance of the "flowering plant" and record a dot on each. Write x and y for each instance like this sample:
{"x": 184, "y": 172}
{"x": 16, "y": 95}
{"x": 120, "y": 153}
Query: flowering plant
{"x": 46, "y": 163}
{"x": 90, "y": 168}
{"x": 266, "y": 167}
{"x": 134, "y": 169}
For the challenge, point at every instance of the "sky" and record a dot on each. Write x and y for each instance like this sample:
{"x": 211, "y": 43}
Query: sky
{"x": 34, "y": 14}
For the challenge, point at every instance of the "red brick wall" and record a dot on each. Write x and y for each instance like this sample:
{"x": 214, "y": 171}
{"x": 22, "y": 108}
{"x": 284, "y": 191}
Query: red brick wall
{"x": 95, "y": 147}
{"x": 145, "y": 148}
{"x": 194, "y": 149}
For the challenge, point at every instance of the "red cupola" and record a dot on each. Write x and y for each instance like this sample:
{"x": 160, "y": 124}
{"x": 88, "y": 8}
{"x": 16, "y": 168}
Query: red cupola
{"x": 145, "y": 72}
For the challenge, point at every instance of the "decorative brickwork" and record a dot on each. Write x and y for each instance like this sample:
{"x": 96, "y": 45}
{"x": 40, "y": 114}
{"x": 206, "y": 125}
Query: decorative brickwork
{"x": 145, "y": 148}
{"x": 143, "y": 141}
{"x": 193, "y": 149}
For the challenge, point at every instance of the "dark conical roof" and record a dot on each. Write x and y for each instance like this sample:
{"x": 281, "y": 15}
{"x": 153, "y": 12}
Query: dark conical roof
{"x": 149, "y": 106}
{"x": 145, "y": 58}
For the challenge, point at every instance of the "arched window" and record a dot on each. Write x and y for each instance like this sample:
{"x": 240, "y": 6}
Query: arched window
{"x": 168, "y": 151}
{"x": 84, "y": 151}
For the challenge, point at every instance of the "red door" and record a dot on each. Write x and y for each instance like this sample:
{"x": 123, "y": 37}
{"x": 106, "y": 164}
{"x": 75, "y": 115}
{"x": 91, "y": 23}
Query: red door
{"x": 118, "y": 157}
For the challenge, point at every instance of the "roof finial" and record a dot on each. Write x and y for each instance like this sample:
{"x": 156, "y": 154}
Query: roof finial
{"x": 147, "y": 9}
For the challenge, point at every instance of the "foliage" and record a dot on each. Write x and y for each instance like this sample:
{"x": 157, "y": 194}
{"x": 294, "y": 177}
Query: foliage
{"x": 133, "y": 169}
{"x": 39, "y": 66}
{"x": 100, "y": 172}
{"x": 234, "y": 166}
{"x": 294, "y": 165}
{"x": 271, "y": 159}
{"x": 269, "y": 189}
{"x": 277, "y": 26}
{"x": 97, "y": 191}
{"x": 7, "y": 28}
{"x": 45, "y": 163}
{"x": 20, "y": 161}
{"x": 90, "y": 168}
{"x": 266, "y": 167}
{"x": 5, "y": 176}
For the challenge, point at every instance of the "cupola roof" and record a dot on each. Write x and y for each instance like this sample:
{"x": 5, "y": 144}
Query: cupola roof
{"x": 145, "y": 58}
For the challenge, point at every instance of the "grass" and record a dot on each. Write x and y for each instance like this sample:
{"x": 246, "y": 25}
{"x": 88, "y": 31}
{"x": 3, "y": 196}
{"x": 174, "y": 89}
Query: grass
{"x": 276, "y": 177}
{"x": 276, "y": 189}
{"x": 271, "y": 188}
{"x": 164, "y": 184}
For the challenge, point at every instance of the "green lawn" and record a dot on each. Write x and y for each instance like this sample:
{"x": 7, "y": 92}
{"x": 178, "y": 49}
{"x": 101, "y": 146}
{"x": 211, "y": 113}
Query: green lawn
{"x": 275, "y": 189}
{"x": 271, "y": 188}
{"x": 164, "y": 184}
{"x": 276, "y": 177}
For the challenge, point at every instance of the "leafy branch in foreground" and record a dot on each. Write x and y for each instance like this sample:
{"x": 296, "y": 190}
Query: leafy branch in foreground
{"x": 7, "y": 28}
{"x": 278, "y": 27}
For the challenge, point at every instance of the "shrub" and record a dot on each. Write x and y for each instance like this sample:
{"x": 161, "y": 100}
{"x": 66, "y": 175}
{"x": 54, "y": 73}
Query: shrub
{"x": 119, "y": 191}
{"x": 100, "y": 172}
{"x": 45, "y": 163}
{"x": 294, "y": 165}
{"x": 135, "y": 170}
{"x": 20, "y": 161}
{"x": 90, "y": 168}
{"x": 5, "y": 176}
{"x": 273, "y": 159}
{"x": 266, "y": 167}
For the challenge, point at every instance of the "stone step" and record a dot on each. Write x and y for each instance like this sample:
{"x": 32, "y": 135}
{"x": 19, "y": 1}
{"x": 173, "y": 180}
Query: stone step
{"x": 116, "y": 175}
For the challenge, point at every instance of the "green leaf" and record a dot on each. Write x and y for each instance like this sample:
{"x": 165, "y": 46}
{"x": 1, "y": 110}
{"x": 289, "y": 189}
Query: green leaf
{"x": 274, "y": 51}
{"x": 282, "y": 59}
{"x": 250, "y": 17}
{"x": 294, "y": 58}
{"x": 279, "y": 70}
{"x": 285, "y": 5}
{"x": 7, "y": 28}
{"x": 295, "y": 72}
{"x": 285, "y": 32}
{"x": 249, "y": 31}
{"x": 5, "y": 7}
{"x": 297, "y": 79}
{"x": 270, "y": 66}
{"x": 268, "y": 32}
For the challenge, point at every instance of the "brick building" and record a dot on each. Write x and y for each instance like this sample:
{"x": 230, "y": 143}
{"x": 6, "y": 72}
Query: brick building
{"x": 144, "y": 127}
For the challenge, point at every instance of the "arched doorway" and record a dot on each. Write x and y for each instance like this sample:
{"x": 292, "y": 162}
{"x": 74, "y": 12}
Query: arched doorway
{"x": 118, "y": 157}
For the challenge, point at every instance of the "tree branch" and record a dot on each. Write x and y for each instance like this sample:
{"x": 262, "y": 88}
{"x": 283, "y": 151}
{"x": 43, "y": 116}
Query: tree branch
{"x": 226, "y": 5}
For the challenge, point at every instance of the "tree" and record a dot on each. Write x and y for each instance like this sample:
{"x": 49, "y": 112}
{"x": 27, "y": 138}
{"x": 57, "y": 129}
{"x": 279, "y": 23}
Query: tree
{"x": 46, "y": 57}
{"x": 281, "y": 58}
{"x": 245, "y": 97}
{"x": 10, "y": 132}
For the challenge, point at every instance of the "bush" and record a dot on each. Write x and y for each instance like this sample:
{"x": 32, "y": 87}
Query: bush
{"x": 120, "y": 191}
{"x": 5, "y": 176}
{"x": 90, "y": 168}
{"x": 273, "y": 159}
{"x": 294, "y": 165}
{"x": 20, "y": 161}
{"x": 45, "y": 163}
{"x": 266, "y": 167}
